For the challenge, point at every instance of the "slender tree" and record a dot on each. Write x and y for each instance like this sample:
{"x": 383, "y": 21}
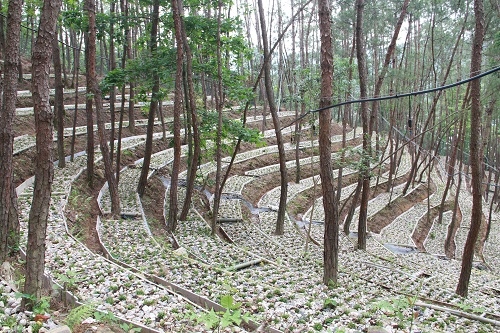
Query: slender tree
{"x": 90, "y": 119}
{"x": 2, "y": 32}
{"x": 172, "y": 213}
{"x": 112, "y": 66}
{"x": 194, "y": 122}
{"x": 385, "y": 66}
{"x": 44, "y": 168}
{"x": 365, "y": 159}
{"x": 93, "y": 88}
{"x": 280, "y": 222}
{"x": 330, "y": 204}
{"x": 7, "y": 111}
{"x": 141, "y": 187}
{"x": 59, "y": 103}
{"x": 218, "y": 139}
{"x": 475, "y": 151}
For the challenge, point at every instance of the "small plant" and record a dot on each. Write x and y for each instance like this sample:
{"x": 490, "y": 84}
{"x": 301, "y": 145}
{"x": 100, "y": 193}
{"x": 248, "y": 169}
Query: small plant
{"x": 38, "y": 306}
{"x": 220, "y": 319}
{"x": 79, "y": 314}
{"x": 69, "y": 280}
{"x": 36, "y": 327}
{"x": 110, "y": 318}
{"x": 127, "y": 153}
{"x": 9, "y": 322}
{"x": 160, "y": 315}
{"x": 330, "y": 304}
{"x": 105, "y": 317}
{"x": 13, "y": 241}
{"x": 129, "y": 328}
{"x": 149, "y": 302}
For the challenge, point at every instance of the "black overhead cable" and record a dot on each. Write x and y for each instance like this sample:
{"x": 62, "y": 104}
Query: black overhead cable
{"x": 414, "y": 93}
{"x": 409, "y": 94}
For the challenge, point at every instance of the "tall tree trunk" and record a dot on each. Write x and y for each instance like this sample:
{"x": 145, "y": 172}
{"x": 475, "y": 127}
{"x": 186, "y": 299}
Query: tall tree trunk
{"x": 330, "y": 204}
{"x": 143, "y": 180}
{"x": 7, "y": 112}
{"x": 77, "y": 71}
{"x": 383, "y": 72}
{"x": 280, "y": 222}
{"x": 219, "y": 98}
{"x": 131, "y": 102}
{"x": 172, "y": 212}
{"x": 475, "y": 152}
{"x": 63, "y": 58}
{"x": 191, "y": 101}
{"x": 90, "y": 120}
{"x": 112, "y": 93}
{"x": 2, "y": 32}
{"x": 365, "y": 159}
{"x": 59, "y": 103}
{"x": 93, "y": 88}
{"x": 44, "y": 168}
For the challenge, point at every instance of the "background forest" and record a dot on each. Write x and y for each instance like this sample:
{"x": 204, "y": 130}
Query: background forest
{"x": 279, "y": 166}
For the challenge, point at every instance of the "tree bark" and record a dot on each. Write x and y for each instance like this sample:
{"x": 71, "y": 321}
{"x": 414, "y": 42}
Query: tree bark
{"x": 218, "y": 140}
{"x": 90, "y": 120}
{"x": 96, "y": 92}
{"x": 172, "y": 212}
{"x": 280, "y": 222}
{"x": 59, "y": 103}
{"x": 2, "y": 32}
{"x": 475, "y": 152}
{"x": 8, "y": 109}
{"x": 143, "y": 180}
{"x": 44, "y": 168}
{"x": 364, "y": 173}
{"x": 194, "y": 125}
{"x": 330, "y": 204}
{"x": 75, "y": 85}
{"x": 112, "y": 93}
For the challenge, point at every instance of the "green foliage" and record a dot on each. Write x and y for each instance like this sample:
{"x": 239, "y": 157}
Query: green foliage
{"x": 469, "y": 308}
{"x": 73, "y": 19}
{"x": 222, "y": 319}
{"x": 110, "y": 318}
{"x": 10, "y": 322}
{"x": 105, "y": 317}
{"x": 141, "y": 72}
{"x": 330, "y": 303}
{"x": 79, "y": 314}
{"x": 232, "y": 130}
{"x": 69, "y": 280}
{"x": 36, "y": 327}
{"x": 14, "y": 242}
{"x": 38, "y": 306}
{"x": 400, "y": 307}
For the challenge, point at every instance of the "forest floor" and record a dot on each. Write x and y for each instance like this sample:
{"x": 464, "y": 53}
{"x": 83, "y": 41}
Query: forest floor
{"x": 82, "y": 213}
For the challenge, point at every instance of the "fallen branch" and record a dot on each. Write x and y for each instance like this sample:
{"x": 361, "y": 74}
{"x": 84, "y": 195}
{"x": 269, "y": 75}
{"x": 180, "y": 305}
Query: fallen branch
{"x": 459, "y": 313}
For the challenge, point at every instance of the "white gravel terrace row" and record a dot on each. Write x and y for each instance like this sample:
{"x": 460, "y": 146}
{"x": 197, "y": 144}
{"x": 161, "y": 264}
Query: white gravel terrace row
{"x": 28, "y": 111}
{"x": 241, "y": 157}
{"x": 113, "y": 288}
{"x": 25, "y": 142}
{"x": 27, "y": 93}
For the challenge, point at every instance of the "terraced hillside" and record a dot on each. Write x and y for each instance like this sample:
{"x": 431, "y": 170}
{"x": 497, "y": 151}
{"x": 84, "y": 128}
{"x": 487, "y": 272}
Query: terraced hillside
{"x": 165, "y": 283}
